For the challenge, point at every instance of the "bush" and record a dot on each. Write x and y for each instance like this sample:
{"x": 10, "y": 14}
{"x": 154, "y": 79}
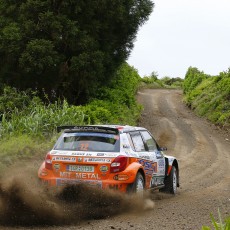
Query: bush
{"x": 209, "y": 96}
{"x": 165, "y": 82}
{"x": 39, "y": 120}
{"x": 30, "y": 115}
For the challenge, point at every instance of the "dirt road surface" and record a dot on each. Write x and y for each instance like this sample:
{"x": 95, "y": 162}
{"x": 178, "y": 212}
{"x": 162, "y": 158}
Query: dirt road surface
{"x": 203, "y": 151}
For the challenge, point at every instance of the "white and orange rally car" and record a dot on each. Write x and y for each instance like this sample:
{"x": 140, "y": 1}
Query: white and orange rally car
{"x": 124, "y": 158}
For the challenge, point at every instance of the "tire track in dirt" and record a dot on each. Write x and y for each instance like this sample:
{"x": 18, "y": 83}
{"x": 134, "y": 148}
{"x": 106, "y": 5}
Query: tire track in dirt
{"x": 203, "y": 156}
{"x": 195, "y": 149}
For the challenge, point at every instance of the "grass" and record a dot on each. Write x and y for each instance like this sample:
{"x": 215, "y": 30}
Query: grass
{"x": 220, "y": 224}
{"x": 22, "y": 147}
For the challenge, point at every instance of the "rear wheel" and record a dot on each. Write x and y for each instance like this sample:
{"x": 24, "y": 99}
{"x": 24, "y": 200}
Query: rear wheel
{"x": 171, "y": 182}
{"x": 138, "y": 186}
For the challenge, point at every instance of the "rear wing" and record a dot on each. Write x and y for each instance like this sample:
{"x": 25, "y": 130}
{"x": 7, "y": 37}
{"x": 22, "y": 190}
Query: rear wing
{"x": 87, "y": 128}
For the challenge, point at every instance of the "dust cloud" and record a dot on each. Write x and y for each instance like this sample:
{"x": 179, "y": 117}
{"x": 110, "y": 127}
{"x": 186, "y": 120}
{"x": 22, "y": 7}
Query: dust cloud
{"x": 24, "y": 201}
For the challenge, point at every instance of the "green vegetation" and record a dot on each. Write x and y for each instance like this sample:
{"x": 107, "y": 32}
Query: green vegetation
{"x": 25, "y": 113}
{"x": 22, "y": 147}
{"x": 70, "y": 48}
{"x": 220, "y": 225}
{"x": 208, "y": 96}
{"x": 153, "y": 82}
{"x": 175, "y": 83}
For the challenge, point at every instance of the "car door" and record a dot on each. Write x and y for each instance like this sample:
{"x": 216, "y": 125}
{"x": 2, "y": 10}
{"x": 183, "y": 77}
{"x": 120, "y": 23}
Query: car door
{"x": 145, "y": 157}
{"x": 157, "y": 157}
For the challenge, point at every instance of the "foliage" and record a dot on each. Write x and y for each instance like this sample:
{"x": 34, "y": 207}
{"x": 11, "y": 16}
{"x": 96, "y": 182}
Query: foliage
{"x": 209, "y": 96}
{"x": 116, "y": 103}
{"x": 166, "y": 82}
{"x": 11, "y": 99}
{"x": 219, "y": 225}
{"x": 154, "y": 76}
{"x": 39, "y": 119}
{"x": 193, "y": 77}
{"x": 67, "y": 47}
{"x": 31, "y": 116}
{"x": 173, "y": 82}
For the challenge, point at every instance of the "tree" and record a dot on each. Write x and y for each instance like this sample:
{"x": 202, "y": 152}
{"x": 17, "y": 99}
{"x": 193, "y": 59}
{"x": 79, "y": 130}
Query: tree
{"x": 67, "y": 48}
{"x": 154, "y": 76}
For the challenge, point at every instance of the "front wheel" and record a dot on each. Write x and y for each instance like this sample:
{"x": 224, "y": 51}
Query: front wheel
{"x": 171, "y": 182}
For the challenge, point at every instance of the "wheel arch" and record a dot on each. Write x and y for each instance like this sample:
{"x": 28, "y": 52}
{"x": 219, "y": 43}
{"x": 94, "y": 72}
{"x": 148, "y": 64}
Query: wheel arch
{"x": 130, "y": 187}
{"x": 168, "y": 167}
{"x": 175, "y": 164}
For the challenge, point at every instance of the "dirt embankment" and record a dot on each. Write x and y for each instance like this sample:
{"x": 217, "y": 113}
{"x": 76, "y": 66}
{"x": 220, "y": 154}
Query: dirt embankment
{"x": 203, "y": 152}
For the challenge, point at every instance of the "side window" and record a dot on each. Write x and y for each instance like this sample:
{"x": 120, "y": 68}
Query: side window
{"x": 137, "y": 141}
{"x": 149, "y": 141}
{"x": 130, "y": 141}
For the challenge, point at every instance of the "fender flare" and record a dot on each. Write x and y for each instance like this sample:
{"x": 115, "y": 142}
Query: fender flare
{"x": 135, "y": 167}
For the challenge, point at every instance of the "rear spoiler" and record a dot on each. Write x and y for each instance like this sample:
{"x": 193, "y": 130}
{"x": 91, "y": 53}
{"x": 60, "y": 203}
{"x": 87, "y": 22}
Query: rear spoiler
{"x": 63, "y": 127}
{"x": 87, "y": 128}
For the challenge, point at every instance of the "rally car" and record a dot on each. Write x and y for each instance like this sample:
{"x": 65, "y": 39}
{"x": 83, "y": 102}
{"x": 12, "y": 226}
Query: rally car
{"x": 123, "y": 158}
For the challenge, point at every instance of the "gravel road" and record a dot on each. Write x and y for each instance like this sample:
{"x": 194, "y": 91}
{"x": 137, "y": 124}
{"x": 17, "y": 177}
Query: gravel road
{"x": 203, "y": 151}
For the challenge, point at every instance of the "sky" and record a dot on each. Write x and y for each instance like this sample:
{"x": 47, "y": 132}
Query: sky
{"x": 184, "y": 33}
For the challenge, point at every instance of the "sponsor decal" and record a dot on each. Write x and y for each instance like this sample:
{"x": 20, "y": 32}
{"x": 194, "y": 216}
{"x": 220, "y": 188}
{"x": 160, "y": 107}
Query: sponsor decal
{"x": 78, "y": 154}
{"x": 57, "y": 166}
{"x": 111, "y": 154}
{"x": 154, "y": 166}
{"x": 86, "y": 128}
{"x": 161, "y": 170}
{"x": 79, "y": 159}
{"x": 98, "y": 160}
{"x": 161, "y": 163}
{"x": 144, "y": 156}
{"x": 149, "y": 167}
{"x": 65, "y": 174}
{"x": 66, "y": 159}
{"x": 87, "y": 176}
{"x": 104, "y": 168}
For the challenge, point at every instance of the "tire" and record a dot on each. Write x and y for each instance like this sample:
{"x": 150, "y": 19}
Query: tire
{"x": 138, "y": 186}
{"x": 171, "y": 182}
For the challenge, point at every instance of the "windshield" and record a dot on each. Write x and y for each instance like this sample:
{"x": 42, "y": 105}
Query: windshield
{"x": 87, "y": 141}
